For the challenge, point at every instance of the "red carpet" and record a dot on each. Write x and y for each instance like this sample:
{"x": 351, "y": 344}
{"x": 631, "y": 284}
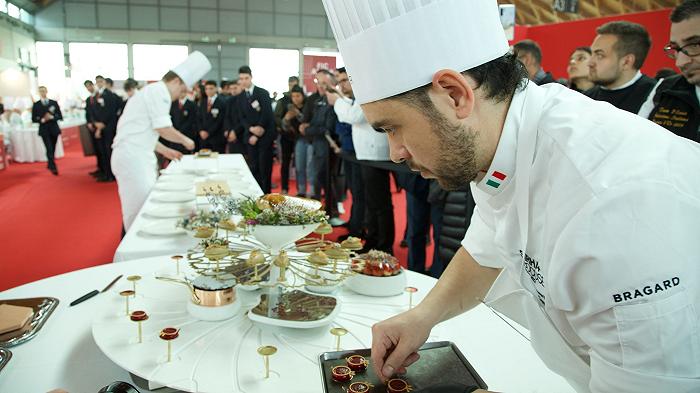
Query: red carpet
{"x": 56, "y": 224}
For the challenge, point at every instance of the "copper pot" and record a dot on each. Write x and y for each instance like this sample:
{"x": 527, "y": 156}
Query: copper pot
{"x": 205, "y": 297}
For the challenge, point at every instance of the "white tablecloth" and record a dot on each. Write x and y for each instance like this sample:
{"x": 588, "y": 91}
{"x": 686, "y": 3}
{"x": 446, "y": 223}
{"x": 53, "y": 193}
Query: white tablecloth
{"x": 27, "y": 145}
{"x": 65, "y": 355}
{"x": 139, "y": 245}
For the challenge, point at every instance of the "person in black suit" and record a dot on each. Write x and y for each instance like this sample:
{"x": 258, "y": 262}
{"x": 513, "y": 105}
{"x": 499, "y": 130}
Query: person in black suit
{"x": 47, "y": 113}
{"x": 259, "y": 132}
{"x": 233, "y": 131}
{"x": 183, "y": 113}
{"x": 90, "y": 103}
{"x": 105, "y": 120}
{"x": 211, "y": 120}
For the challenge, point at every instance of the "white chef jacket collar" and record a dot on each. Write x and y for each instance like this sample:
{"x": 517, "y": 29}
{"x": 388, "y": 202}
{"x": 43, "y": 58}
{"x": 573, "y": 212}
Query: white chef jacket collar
{"x": 502, "y": 166}
{"x": 632, "y": 81}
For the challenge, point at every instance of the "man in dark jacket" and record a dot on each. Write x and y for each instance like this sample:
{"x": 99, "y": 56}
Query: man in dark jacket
{"x": 105, "y": 120}
{"x": 530, "y": 54}
{"x": 259, "y": 132}
{"x": 211, "y": 120}
{"x": 319, "y": 130}
{"x": 676, "y": 104}
{"x": 287, "y": 139}
{"x": 233, "y": 130}
{"x": 183, "y": 113}
{"x": 90, "y": 105}
{"x": 47, "y": 113}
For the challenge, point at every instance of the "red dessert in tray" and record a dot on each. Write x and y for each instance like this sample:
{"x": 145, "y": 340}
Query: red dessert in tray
{"x": 376, "y": 263}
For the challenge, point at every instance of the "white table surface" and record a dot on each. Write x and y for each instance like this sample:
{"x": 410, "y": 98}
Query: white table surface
{"x": 65, "y": 355}
{"x": 27, "y": 145}
{"x": 139, "y": 245}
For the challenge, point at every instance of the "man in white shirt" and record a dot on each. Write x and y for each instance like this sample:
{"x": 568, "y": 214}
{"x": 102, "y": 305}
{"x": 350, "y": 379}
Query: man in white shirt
{"x": 586, "y": 220}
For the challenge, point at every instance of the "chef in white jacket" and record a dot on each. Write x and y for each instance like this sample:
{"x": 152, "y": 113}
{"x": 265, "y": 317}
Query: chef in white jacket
{"x": 146, "y": 117}
{"x": 587, "y": 216}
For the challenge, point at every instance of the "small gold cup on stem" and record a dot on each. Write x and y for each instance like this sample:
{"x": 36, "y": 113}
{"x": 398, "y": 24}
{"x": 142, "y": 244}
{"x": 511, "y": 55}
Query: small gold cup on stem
{"x": 266, "y": 351}
{"x": 168, "y": 334}
{"x": 133, "y": 280}
{"x": 338, "y": 332}
{"x": 411, "y": 291}
{"x": 126, "y": 295}
{"x": 177, "y": 258}
{"x": 139, "y": 317}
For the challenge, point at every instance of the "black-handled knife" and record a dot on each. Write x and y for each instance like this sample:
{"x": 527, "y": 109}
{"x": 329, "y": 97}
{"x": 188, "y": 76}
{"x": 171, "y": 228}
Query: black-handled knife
{"x": 95, "y": 292}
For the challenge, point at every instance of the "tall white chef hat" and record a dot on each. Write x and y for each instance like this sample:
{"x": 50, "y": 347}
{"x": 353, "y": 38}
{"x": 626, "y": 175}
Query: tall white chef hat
{"x": 393, "y": 46}
{"x": 193, "y": 68}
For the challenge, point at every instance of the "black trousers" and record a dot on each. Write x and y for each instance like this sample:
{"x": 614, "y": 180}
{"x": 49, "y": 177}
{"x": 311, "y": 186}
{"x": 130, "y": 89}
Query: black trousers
{"x": 353, "y": 176}
{"x": 50, "y": 139}
{"x": 104, "y": 150}
{"x": 260, "y": 161}
{"x": 287, "y": 152}
{"x": 96, "y": 150}
{"x": 379, "y": 218}
{"x": 418, "y": 218}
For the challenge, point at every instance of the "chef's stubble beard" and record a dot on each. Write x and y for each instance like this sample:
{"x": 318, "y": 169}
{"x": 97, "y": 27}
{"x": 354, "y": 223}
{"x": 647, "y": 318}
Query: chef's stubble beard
{"x": 456, "y": 165}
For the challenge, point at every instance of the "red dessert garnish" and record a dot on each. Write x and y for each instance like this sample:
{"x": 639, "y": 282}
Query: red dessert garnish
{"x": 357, "y": 363}
{"x": 377, "y": 263}
{"x": 342, "y": 373}
{"x": 398, "y": 385}
{"x": 358, "y": 387}
{"x": 169, "y": 333}
{"x": 139, "y": 316}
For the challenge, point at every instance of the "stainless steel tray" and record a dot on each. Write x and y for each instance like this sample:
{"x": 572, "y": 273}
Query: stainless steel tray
{"x": 5, "y": 356}
{"x": 440, "y": 362}
{"x": 43, "y": 307}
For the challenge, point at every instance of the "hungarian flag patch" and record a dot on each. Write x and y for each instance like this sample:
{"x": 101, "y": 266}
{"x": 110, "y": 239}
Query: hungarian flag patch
{"x": 496, "y": 179}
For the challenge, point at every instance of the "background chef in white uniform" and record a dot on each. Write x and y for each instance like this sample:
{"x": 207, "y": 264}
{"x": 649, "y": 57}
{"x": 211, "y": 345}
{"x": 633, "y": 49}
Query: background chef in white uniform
{"x": 145, "y": 118}
{"x": 586, "y": 223}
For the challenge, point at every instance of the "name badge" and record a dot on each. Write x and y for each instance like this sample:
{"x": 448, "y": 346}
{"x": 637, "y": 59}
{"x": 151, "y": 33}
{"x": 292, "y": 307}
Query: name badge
{"x": 101, "y": 101}
{"x": 214, "y": 112}
{"x": 52, "y": 109}
{"x": 256, "y": 105}
{"x": 184, "y": 112}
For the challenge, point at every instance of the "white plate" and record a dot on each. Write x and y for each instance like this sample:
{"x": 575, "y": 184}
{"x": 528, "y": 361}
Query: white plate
{"x": 169, "y": 211}
{"x": 174, "y": 197}
{"x": 174, "y": 186}
{"x": 162, "y": 228}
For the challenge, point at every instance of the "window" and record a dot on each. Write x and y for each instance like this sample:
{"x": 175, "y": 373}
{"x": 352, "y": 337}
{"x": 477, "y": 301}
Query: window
{"x": 3, "y": 6}
{"x": 13, "y": 10}
{"x": 90, "y": 59}
{"x": 51, "y": 69}
{"x": 26, "y": 17}
{"x": 273, "y": 67}
{"x": 151, "y": 62}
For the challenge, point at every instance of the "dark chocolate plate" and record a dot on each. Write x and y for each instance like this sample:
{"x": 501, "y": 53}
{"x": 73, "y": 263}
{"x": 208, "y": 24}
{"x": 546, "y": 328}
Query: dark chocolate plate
{"x": 440, "y": 362}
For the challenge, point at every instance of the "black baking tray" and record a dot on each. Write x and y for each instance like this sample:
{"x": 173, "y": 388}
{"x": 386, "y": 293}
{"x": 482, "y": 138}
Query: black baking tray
{"x": 440, "y": 362}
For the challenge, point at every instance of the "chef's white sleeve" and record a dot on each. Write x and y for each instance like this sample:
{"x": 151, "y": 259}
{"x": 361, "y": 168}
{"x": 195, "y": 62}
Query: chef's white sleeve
{"x": 158, "y": 106}
{"x": 479, "y": 239}
{"x": 626, "y": 273}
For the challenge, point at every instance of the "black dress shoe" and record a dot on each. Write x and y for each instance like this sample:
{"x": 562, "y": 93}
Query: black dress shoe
{"x": 54, "y": 171}
{"x": 96, "y": 173}
{"x": 105, "y": 179}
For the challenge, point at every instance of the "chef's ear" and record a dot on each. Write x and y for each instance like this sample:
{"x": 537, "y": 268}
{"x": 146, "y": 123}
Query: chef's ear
{"x": 452, "y": 84}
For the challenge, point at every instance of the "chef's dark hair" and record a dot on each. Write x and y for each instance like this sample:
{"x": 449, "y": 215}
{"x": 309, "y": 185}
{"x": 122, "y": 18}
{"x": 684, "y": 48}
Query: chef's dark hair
{"x": 498, "y": 80}
{"x": 632, "y": 39}
{"x": 245, "y": 70}
{"x": 686, "y": 10}
{"x": 130, "y": 84}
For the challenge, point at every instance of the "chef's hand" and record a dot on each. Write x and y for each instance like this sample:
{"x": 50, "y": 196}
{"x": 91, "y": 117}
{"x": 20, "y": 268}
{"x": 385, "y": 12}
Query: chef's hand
{"x": 203, "y": 134}
{"x": 231, "y": 137}
{"x": 395, "y": 342}
{"x": 172, "y": 154}
{"x": 253, "y": 140}
{"x": 188, "y": 143}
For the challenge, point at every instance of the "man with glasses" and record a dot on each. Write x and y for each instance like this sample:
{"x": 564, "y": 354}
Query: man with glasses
{"x": 675, "y": 102}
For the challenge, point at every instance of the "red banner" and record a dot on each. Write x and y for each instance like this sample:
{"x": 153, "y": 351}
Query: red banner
{"x": 311, "y": 65}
